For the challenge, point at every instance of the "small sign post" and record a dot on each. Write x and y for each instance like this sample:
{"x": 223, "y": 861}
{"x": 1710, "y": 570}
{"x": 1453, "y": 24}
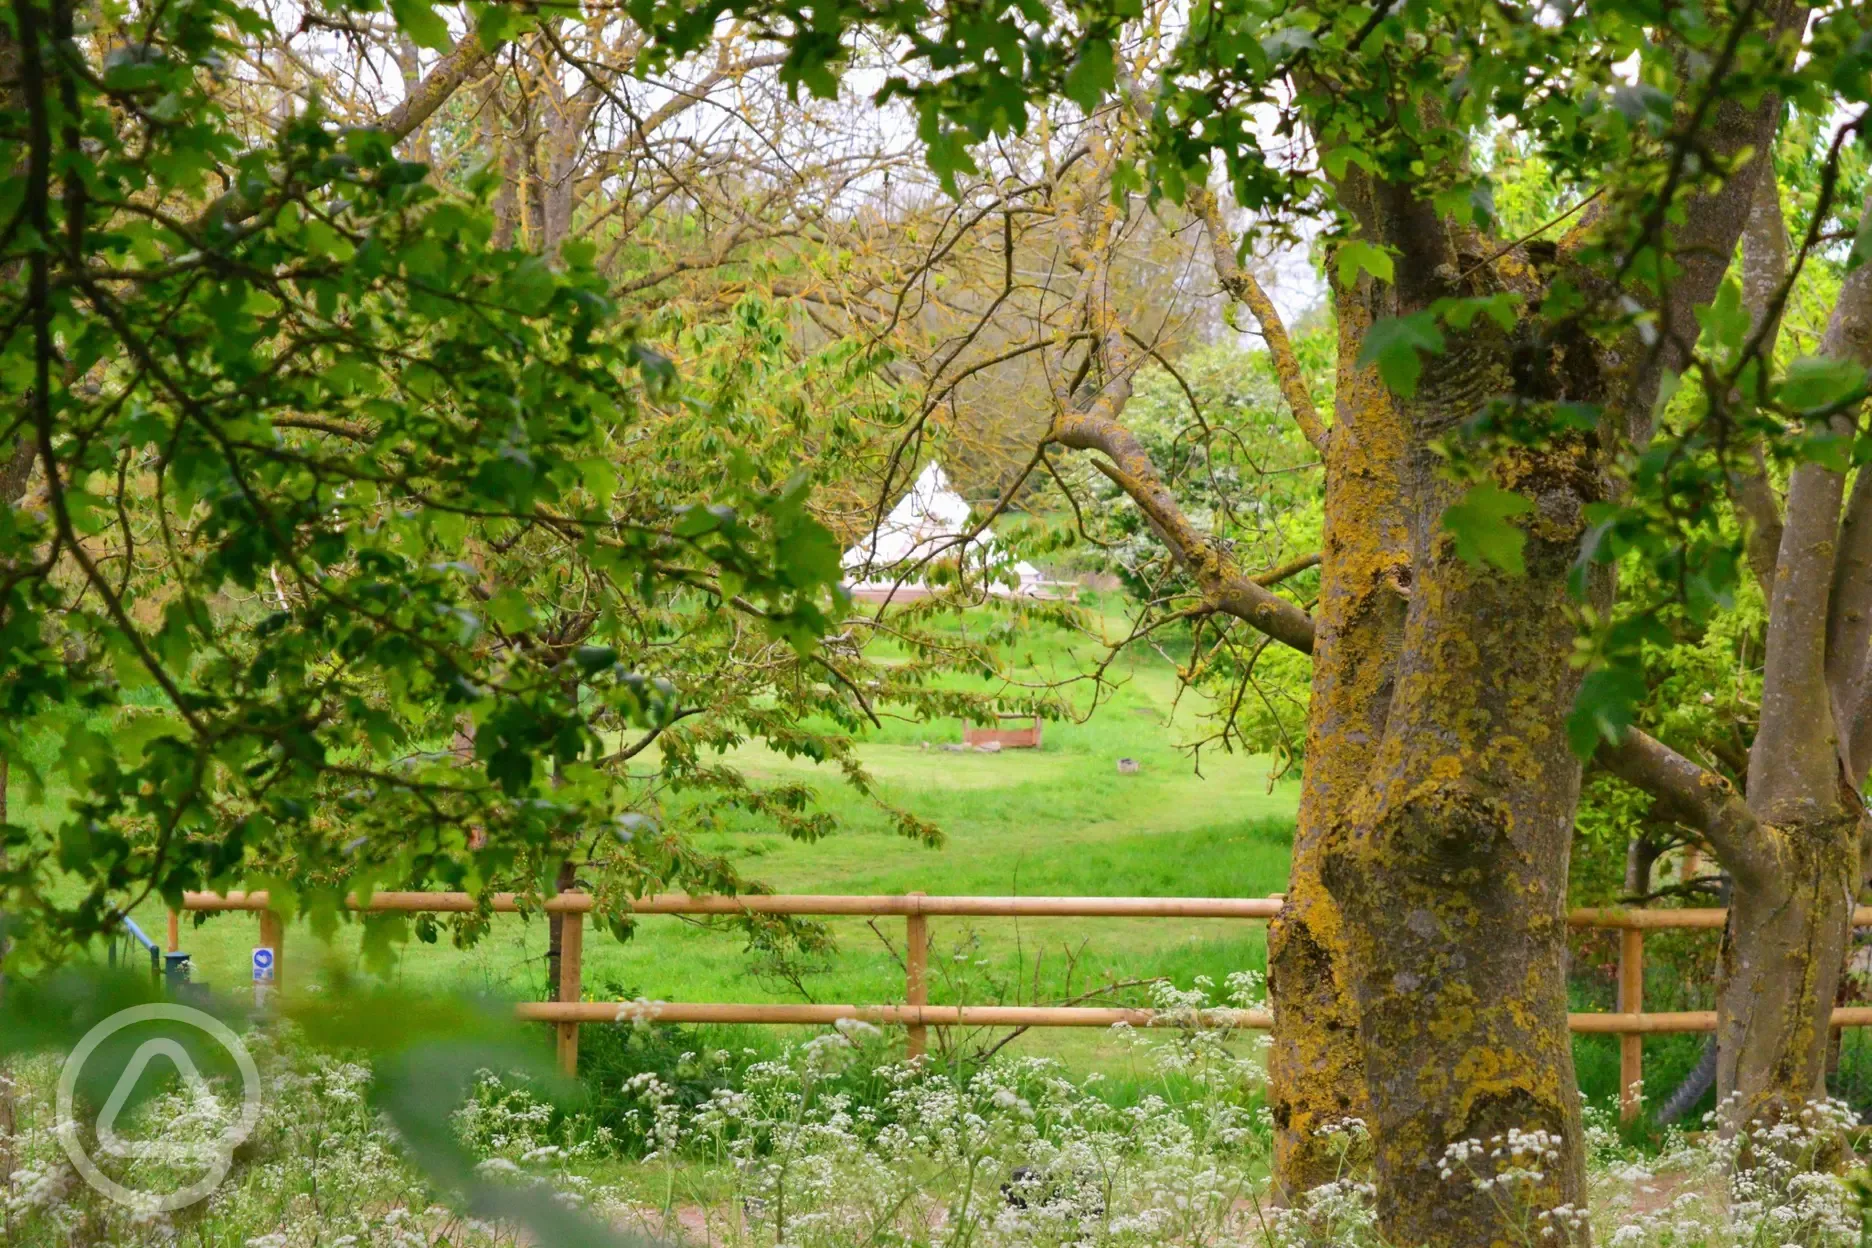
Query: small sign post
{"x": 262, "y": 974}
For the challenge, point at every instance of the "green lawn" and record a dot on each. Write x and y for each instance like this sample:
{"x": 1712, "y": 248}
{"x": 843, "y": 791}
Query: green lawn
{"x": 1060, "y": 820}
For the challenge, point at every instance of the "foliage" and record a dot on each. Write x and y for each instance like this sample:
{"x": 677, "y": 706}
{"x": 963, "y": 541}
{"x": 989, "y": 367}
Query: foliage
{"x": 354, "y": 546}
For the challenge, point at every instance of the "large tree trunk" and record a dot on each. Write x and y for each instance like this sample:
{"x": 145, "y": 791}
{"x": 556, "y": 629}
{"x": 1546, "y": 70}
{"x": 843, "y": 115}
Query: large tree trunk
{"x": 1782, "y": 957}
{"x": 1453, "y": 882}
{"x": 1315, "y": 1071}
{"x": 1451, "y": 870}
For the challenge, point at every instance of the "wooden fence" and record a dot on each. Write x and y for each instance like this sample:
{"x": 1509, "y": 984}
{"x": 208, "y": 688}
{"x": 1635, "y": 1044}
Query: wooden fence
{"x": 1630, "y": 1022}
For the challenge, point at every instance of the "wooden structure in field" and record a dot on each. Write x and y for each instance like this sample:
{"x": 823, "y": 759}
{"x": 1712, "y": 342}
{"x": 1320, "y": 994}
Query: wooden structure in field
{"x": 1013, "y": 730}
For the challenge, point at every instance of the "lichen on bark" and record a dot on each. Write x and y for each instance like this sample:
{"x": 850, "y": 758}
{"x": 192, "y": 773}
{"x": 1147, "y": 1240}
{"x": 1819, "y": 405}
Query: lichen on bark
{"x": 1315, "y": 1068}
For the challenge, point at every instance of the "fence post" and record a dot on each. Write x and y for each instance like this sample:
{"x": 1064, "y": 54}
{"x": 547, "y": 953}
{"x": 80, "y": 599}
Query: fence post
{"x": 571, "y": 983}
{"x": 916, "y": 976}
{"x": 175, "y": 932}
{"x": 1631, "y": 1001}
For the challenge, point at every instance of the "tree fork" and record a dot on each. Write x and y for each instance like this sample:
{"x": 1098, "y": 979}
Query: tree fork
{"x": 1784, "y": 951}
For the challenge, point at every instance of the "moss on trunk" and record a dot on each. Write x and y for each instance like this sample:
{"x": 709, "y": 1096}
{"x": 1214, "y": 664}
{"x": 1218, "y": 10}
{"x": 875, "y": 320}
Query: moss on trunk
{"x": 1315, "y": 1071}
{"x": 1450, "y": 866}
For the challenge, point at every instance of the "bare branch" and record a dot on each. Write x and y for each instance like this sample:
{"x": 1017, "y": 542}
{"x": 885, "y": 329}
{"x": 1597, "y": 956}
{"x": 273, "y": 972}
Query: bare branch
{"x": 1222, "y": 582}
{"x": 1692, "y": 795}
{"x": 1088, "y": 420}
{"x": 1241, "y": 285}
{"x": 435, "y": 88}
{"x": 1274, "y": 576}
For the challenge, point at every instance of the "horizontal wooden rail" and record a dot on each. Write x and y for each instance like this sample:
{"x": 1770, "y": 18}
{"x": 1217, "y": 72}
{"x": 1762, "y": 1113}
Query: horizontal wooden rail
{"x": 1657, "y": 920}
{"x": 881, "y": 1015}
{"x": 1592, "y": 1024}
{"x": 1668, "y": 920}
{"x": 913, "y": 903}
{"x": 802, "y": 903}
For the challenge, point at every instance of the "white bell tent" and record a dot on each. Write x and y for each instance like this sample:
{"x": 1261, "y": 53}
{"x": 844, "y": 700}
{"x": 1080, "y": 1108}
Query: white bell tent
{"x": 926, "y": 526}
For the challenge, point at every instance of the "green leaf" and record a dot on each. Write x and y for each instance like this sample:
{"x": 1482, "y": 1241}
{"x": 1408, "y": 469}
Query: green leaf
{"x": 511, "y": 611}
{"x": 1480, "y": 526}
{"x": 1356, "y": 255}
{"x": 1335, "y": 160}
{"x": 1725, "y": 320}
{"x": 1287, "y": 42}
{"x": 578, "y": 253}
{"x": 1815, "y": 383}
{"x": 135, "y": 733}
{"x": 1862, "y": 244}
{"x": 1393, "y": 344}
{"x": 1501, "y": 307}
{"x": 420, "y": 22}
{"x": 1604, "y": 708}
{"x": 593, "y": 659}
{"x": 1092, "y": 74}
{"x": 498, "y": 22}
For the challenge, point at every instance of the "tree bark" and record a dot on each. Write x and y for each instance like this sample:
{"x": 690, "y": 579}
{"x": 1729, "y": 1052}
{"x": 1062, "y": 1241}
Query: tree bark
{"x": 1797, "y": 877}
{"x": 1315, "y": 1065}
{"x": 1451, "y": 871}
{"x": 1781, "y": 961}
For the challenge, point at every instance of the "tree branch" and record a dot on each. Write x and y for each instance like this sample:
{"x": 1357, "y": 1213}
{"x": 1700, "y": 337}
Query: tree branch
{"x": 1274, "y": 576}
{"x": 1241, "y": 285}
{"x": 1817, "y": 606}
{"x": 1223, "y": 584}
{"x": 1792, "y": 764}
{"x": 450, "y": 72}
{"x": 1087, "y": 420}
{"x": 1764, "y": 272}
{"x": 1849, "y": 621}
{"x": 435, "y": 88}
{"x": 1717, "y": 129}
{"x": 1765, "y": 261}
{"x": 1692, "y": 795}
{"x": 1751, "y": 494}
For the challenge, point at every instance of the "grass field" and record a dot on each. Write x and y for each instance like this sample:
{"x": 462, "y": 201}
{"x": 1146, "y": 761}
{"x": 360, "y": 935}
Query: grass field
{"x": 1059, "y": 820}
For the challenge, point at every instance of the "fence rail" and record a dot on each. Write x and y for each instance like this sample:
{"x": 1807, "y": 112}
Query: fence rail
{"x": 1630, "y": 1022}
{"x": 829, "y": 904}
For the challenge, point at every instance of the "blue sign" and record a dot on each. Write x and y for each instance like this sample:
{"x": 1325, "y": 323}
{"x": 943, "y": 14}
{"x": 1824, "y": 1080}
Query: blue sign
{"x": 263, "y": 965}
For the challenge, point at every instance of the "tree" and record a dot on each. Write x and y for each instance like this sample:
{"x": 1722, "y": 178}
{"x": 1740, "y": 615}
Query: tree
{"x": 316, "y": 475}
{"x": 1793, "y": 845}
{"x": 1516, "y": 428}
